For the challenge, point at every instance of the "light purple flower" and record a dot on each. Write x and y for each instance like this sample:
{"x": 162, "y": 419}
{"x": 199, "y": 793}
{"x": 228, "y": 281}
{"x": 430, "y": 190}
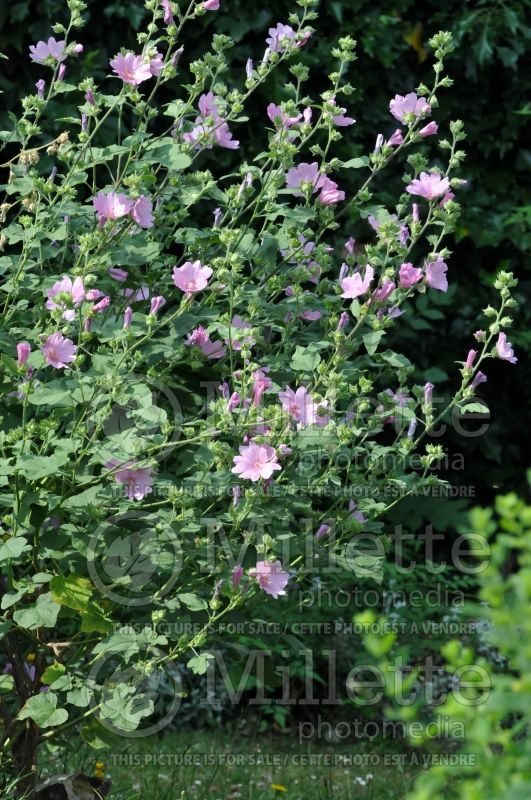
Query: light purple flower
{"x": 42, "y": 51}
{"x": 384, "y": 291}
{"x": 249, "y": 69}
{"x": 66, "y": 296}
{"x": 408, "y": 107}
{"x": 102, "y": 304}
{"x": 40, "y": 86}
{"x": 132, "y": 69}
{"x": 118, "y": 274}
{"x": 261, "y": 383}
{"x": 429, "y": 185}
{"x": 237, "y": 340}
{"x": 210, "y": 5}
{"x": 470, "y": 358}
{"x": 111, "y": 206}
{"x": 330, "y": 194}
{"x": 307, "y": 174}
{"x": 23, "y": 351}
{"x": 191, "y": 277}
{"x": 135, "y": 295}
{"x": 356, "y": 285}
{"x": 322, "y": 531}
{"x": 128, "y": 313}
{"x": 396, "y": 138}
{"x": 156, "y": 304}
{"x": 436, "y": 275}
{"x": 237, "y": 574}
{"x": 428, "y": 392}
{"x": 504, "y": 349}
{"x": 429, "y": 130}
{"x": 136, "y": 481}
{"x": 281, "y": 37}
{"x": 201, "y": 338}
{"x": 256, "y": 461}
{"x": 479, "y": 377}
{"x": 408, "y": 275}
{"x": 270, "y": 577}
{"x": 61, "y": 73}
{"x": 357, "y": 515}
{"x": 59, "y": 351}
{"x": 302, "y": 408}
{"x": 168, "y": 13}
{"x": 142, "y": 212}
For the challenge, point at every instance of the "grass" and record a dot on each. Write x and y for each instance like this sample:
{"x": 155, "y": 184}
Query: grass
{"x": 226, "y": 765}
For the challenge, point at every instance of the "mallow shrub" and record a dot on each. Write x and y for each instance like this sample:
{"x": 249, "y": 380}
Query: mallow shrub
{"x": 202, "y": 408}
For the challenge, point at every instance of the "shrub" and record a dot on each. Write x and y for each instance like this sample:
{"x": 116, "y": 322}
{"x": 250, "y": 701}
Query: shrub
{"x": 200, "y": 388}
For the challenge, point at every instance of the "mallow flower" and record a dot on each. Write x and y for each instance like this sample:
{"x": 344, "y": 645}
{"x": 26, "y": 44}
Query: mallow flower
{"x": 408, "y": 107}
{"x": 356, "y": 285}
{"x": 408, "y": 275}
{"x": 137, "y": 481}
{"x": 59, "y": 351}
{"x": 132, "y": 69}
{"x": 271, "y": 578}
{"x": 256, "y": 461}
{"x": 504, "y": 349}
{"x": 301, "y": 407}
{"x": 429, "y": 185}
{"x": 111, "y": 206}
{"x": 192, "y": 277}
{"x": 436, "y": 275}
{"x": 42, "y": 51}
{"x": 66, "y": 296}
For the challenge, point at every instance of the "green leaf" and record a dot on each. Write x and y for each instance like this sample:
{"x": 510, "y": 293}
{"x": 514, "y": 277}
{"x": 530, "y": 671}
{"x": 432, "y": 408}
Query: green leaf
{"x": 52, "y": 672}
{"x": 41, "y": 615}
{"x": 356, "y": 163}
{"x": 371, "y": 341}
{"x": 168, "y": 153}
{"x": 199, "y": 664}
{"x": 72, "y": 591}
{"x": 7, "y": 683}
{"x": 35, "y": 467}
{"x": 42, "y": 709}
{"x": 83, "y": 499}
{"x": 305, "y": 359}
{"x": 13, "y": 548}
{"x": 193, "y": 602}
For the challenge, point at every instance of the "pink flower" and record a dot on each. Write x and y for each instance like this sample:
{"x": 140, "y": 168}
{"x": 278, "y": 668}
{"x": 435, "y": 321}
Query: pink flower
{"x": 23, "y": 351}
{"x": 301, "y": 407}
{"x": 280, "y": 118}
{"x": 142, "y": 212}
{"x": 211, "y": 5}
{"x": 307, "y": 174}
{"x": 58, "y": 351}
{"x": 408, "y": 275}
{"x": 429, "y": 130}
{"x": 130, "y": 68}
{"x": 408, "y": 107}
{"x": 234, "y": 401}
{"x": 156, "y": 304}
{"x": 128, "y": 313}
{"x": 156, "y": 64}
{"x": 428, "y": 392}
{"x": 42, "y": 51}
{"x": 310, "y": 316}
{"x": 396, "y": 138}
{"x": 356, "y": 285}
{"x": 168, "y": 13}
{"x": 135, "y": 295}
{"x": 118, "y": 274}
{"x": 504, "y": 349}
{"x": 256, "y": 461}
{"x": 237, "y": 574}
{"x": 260, "y": 384}
{"x": 479, "y": 377}
{"x": 436, "y": 275}
{"x": 66, "y": 296}
{"x": 280, "y": 38}
{"x": 210, "y": 127}
{"x": 340, "y": 120}
{"x": 470, "y": 358}
{"x": 322, "y": 531}
{"x": 102, "y": 304}
{"x": 270, "y": 577}
{"x": 357, "y": 515}
{"x": 384, "y": 291}
{"x": 40, "y": 86}
{"x": 239, "y": 341}
{"x": 429, "y": 185}
{"x": 111, "y": 206}
{"x": 137, "y": 482}
{"x": 201, "y": 338}
{"x": 330, "y": 194}
{"x": 344, "y": 320}
{"x": 191, "y": 277}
